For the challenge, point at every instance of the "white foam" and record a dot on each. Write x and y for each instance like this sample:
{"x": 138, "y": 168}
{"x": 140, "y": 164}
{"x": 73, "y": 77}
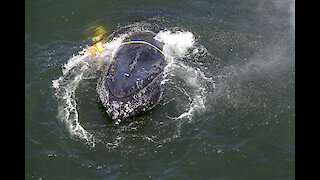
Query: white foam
{"x": 74, "y": 61}
{"x": 66, "y": 85}
{"x": 111, "y": 47}
{"x": 177, "y": 45}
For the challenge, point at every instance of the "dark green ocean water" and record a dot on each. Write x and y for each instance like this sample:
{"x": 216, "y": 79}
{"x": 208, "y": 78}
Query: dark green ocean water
{"x": 228, "y": 111}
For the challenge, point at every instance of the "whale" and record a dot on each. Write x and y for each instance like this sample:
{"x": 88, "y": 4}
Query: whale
{"x": 131, "y": 84}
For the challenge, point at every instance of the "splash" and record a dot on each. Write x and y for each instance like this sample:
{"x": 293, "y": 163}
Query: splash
{"x": 183, "y": 74}
{"x": 74, "y": 71}
{"x": 66, "y": 86}
{"x": 182, "y": 70}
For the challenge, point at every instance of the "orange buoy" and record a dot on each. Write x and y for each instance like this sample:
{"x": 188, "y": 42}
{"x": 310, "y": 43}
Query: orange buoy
{"x": 95, "y": 49}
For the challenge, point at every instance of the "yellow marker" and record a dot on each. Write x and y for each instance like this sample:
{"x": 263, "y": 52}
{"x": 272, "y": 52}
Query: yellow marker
{"x": 95, "y": 49}
{"x": 97, "y": 31}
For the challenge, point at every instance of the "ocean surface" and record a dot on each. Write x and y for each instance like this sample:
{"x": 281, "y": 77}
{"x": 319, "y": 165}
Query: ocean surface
{"x": 227, "y": 112}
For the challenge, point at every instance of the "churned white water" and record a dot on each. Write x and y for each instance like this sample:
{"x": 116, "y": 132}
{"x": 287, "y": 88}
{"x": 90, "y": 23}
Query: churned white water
{"x": 182, "y": 74}
{"x": 181, "y": 45}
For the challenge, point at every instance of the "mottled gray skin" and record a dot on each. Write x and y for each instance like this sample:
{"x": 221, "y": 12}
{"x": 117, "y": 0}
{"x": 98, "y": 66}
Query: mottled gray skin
{"x": 132, "y": 83}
